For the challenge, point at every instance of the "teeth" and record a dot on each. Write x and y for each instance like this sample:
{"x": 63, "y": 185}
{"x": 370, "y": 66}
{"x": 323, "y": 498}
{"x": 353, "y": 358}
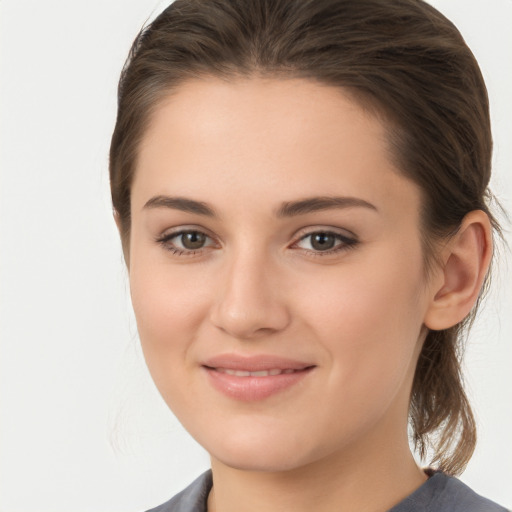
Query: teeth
{"x": 238, "y": 373}
{"x": 261, "y": 373}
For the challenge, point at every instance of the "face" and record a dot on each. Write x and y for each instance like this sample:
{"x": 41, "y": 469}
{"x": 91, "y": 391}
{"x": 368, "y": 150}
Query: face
{"x": 276, "y": 271}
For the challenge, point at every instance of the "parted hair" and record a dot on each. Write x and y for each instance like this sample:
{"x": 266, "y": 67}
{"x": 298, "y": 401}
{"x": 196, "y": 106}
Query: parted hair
{"x": 402, "y": 60}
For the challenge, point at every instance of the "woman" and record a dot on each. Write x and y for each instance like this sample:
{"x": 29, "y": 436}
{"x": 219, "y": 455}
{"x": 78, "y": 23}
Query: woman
{"x": 301, "y": 192}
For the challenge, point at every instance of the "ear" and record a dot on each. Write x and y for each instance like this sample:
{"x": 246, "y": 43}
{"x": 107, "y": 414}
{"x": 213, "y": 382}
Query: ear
{"x": 466, "y": 259}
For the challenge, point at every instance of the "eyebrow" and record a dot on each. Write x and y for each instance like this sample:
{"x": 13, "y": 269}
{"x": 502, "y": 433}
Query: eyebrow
{"x": 315, "y": 204}
{"x": 182, "y": 204}
{"x": 287, "y": 209}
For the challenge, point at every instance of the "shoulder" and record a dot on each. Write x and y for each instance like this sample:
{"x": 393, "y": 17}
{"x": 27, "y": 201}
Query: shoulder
{"x": 461, "y": 497}
{"x": 440, "y": 493}
{"x": 443, "y": 493}
{"x": 191, "y": 499}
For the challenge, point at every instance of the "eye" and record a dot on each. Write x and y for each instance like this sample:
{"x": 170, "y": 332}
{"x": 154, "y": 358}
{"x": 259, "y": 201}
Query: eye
{"x": 325, "y": 242}
{"x": 191, "y": 240}
{"x": 186, "y": 241}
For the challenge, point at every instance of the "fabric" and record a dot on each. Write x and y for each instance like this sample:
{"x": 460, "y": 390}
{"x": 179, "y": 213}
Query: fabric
{"x": 440, "y": 493}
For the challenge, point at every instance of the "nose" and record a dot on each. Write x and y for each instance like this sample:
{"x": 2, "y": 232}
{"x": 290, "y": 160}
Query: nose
{"x": 250, "y": 303}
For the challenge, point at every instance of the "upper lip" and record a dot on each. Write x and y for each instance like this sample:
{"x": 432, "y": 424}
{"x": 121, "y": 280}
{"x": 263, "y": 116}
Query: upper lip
{"x": 255, "y": 363}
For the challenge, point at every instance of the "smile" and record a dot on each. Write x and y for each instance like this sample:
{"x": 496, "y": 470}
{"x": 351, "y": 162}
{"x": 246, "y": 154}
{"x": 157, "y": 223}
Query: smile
{"x": 251, "y": 378}
{"x": 260, "y": 373}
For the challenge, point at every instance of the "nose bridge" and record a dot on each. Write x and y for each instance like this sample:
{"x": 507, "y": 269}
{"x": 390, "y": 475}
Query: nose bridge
{"x": 249, "y": 302}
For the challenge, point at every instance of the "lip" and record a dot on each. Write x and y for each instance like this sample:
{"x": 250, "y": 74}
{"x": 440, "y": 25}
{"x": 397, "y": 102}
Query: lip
{"x": 245, "y": 387}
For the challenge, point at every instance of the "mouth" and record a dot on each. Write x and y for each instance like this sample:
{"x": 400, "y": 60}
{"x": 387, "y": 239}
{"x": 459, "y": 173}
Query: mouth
{"x": 256, "y": 377}
{"x": 259, "y": 373}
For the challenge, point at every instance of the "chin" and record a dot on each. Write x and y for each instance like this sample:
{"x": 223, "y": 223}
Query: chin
{"x": 267, "y": 462}
{"x": 262, "y": 454}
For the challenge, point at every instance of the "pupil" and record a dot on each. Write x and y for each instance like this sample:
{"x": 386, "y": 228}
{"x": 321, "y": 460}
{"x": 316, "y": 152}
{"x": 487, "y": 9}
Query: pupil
{"x": 322, "y": 241}
{"x": 193, "y": 240}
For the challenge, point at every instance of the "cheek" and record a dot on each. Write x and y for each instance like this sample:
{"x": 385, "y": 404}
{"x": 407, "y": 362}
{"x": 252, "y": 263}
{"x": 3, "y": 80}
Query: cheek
{"x": 169, "y": 307}
{"x": 370, "y": 318}
{"x": 369, "y": 293}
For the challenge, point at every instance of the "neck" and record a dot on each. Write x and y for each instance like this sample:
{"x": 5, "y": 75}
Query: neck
{"x": 370, "y": 480}
{"x": 370, "y": 474}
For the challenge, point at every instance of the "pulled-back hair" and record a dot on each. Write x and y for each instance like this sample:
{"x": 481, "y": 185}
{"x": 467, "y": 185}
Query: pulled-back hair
{"x": 400, "y": 59}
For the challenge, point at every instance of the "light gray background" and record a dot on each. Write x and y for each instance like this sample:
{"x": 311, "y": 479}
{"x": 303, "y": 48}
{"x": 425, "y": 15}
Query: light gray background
{"x": 82, "y": 427}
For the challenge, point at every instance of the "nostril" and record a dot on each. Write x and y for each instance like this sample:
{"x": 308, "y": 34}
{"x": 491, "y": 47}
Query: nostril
{"x": 248, "y": 303}
{"x": 257, "y": 321}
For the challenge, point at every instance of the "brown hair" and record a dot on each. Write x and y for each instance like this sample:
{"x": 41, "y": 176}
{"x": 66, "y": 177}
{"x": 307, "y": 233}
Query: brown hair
{"x": 403, "y": 60}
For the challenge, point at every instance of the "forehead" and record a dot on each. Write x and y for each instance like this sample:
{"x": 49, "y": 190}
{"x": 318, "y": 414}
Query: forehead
{"x": 253, "y": 109}
{"x": 273, "y": 139}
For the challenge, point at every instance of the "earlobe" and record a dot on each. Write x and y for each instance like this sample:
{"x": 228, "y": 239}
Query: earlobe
{"x": 466, "y": 260}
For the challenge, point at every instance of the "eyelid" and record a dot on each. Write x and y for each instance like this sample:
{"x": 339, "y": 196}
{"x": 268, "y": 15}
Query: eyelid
{"x": 175, "y": 231}
{"x": 166, "y": 236}
{"x": 342, "y": 232}
{"x": 348, "y": 240}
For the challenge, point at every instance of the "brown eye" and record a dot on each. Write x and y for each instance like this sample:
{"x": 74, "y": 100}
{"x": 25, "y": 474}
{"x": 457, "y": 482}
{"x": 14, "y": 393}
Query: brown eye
{"x": 325, "y": 242}
{"x": 186, "y": 242}
{"x": 322, "y": 241}
{"x": 192, "y": 240}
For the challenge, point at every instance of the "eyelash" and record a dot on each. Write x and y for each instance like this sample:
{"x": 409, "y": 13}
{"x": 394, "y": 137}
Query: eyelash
{"x": 166, "y": 239}
{"x": 346, "y": 244}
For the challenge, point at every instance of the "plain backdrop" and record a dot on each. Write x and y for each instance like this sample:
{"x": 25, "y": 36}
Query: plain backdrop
{"x": 82, "y": 427}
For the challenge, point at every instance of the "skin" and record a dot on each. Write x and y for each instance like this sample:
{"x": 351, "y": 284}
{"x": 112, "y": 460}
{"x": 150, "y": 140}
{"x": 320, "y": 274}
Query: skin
{"x": 258, "y": 286}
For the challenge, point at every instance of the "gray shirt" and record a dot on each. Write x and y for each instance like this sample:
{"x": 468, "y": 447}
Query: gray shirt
{"x": 440, "y": 493}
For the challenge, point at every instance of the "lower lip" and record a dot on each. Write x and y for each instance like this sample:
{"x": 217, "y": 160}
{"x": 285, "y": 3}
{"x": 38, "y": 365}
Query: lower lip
{"x": 254, "y": 388}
